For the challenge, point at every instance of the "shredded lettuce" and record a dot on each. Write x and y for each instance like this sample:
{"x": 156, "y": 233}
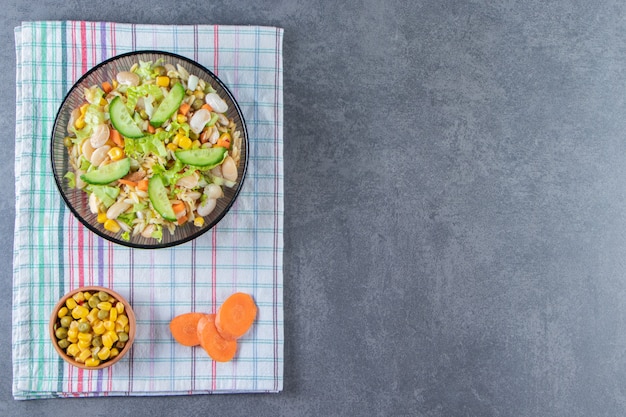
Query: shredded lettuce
{"x": 146, "y": 144}
{"x": 94, "y": 94}
{"x": 125, "y": 236}
{"x": 147, "y": 70}
{"x": 71, "y": 179}
{"x": 145, "y": 90}
{"x": 158, "y": 232}
{"x": 106, "y": 194}
{"x": 175, "y": 126}
{"x": 127, "y": 218}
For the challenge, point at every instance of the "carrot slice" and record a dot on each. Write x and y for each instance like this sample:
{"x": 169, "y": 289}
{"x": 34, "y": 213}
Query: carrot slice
{"x": 184, "y": 328}
{"x": 218, "y": 348}
{"x": 142, "y": 185}
{"x": 207, "y": 106}
{"x": 107, "y": 87}
{"x": 184, "y": 108}
{"x": 178, "y": 207}
{"x": 127, "y": 182}
{"x": 116, "y": 137}
{"x": 235, "y": 316}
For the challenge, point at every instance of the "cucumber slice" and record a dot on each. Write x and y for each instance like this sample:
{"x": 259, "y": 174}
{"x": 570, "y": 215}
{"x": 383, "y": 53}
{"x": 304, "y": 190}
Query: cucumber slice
{"x": 168, "y": 106}
{"x": 122, "y": 121}
{"x": 108, "y": 173}
{"x": 159, "y": 199}
{"x": 203, "y": 157}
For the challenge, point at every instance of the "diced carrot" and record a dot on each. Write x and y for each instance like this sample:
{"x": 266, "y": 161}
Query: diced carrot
{"x": 116, "y": 137}
{"x": 107, "y": 87}
{"x": 224, "y": 140}
{"x": 182, "y": 219}
{"x": 127, "y": 182}
{"x": 218, "y": 348}
{"x": 235, "y": 316}
{"x": 207, "y": 107}
{"x": 178, "y": 207}
{"x": 142, "y": 185}
{"x": 151, "y": 129}
{"x": 184, "y": 328}
{"x": 184, "y": 108}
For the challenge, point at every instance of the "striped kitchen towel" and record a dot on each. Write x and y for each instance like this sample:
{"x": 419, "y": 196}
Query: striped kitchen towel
{"x": 54, "y": 253}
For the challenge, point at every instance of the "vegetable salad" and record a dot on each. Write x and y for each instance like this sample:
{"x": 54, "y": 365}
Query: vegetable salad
{"x": 152, "y": 148}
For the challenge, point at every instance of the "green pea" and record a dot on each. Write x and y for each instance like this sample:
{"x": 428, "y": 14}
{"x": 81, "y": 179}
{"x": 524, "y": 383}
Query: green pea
{"x": 84, "y": 327}
{"x": 66, "y": 321}
{"x": 103, "y": 314}
{"x": 64, "y": 343}
{"x": 93, "y": 301}
{"x": 103, "y": 296}
{"x": 173, "y": 81}
{"x": 61, "y": 333}
{"x": 120, "y": 344}
{"x": 123, "y": 336}
{"x": 96, "y": 341}
{"x": 197, "y": 103}
{"x": 160, "y": 70}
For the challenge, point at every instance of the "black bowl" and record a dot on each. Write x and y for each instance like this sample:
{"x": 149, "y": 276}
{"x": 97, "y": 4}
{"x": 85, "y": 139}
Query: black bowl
{"x": 77, "y": 200}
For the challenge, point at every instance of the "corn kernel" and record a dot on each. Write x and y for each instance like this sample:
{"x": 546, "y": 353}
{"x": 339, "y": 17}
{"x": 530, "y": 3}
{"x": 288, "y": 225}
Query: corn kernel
{"x": 79, "y": 297}
{"x": 93, "y": 315}
{"x": 181, "y": 118}
{"x": 119, "y": 307}
{"x": 83, "y": 356}
{"x": 184, "y": 142}
{"x": 109, "y": 325}
{"x": 198, "y": 221}
{"x": 112, "y": 226}
{"x": 113, "y": 314}
{"x": 70, "y": 303}
{"x": 79, "y": 312}
{"x": 107, "y": 341}
{"x": 83, "y": 109}
{"x": 104, "y": 305}
{"x": 63, "y": 312}
{"x": 123, "y": 320}
{"x": 85, "y": 337}
{"x": 83, "y": 345}
{"x": 127, "y": 328}
{"x": 87, "y": 295}
{"x": 104, "y": 353}
{"x": 116, "y": 153}
{"x": 98, "y": 327}
{"x": 172, "y": 147}
{"x": 163, "y": 81}
{"x": 114, "y": 352}
{"x": 114, "y": 83}
{"x": 103, "y": 102}
{"x": 80, "y": 123}
{"x": 73, "y": 349}
{"x": 92, "y": 362}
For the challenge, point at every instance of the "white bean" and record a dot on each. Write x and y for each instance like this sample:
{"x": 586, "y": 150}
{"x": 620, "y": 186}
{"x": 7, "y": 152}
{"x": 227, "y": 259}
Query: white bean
{"x": 190, "y": 181}
{"x": 87, "y": 150}
{"x": 80, "y": 184}
{"x": 216, "y": 102}
{"x": 127, "y": 78}
{"x": 207, "y": 207}
{"x": 73, "y": 117}
{"x": 213, "y": 191}
{"x": 199, "y": 119}
{"x": 93, "y": 203}
{"x": 147, "y": 232}
{"x": 100, "y": 135}
{"x": 192, "y": 83}
{"x": 229, "y": 169}
{"x": 215, "y": 135}
{"x": 99, "y": 155}
{"x": 117, "y": 208}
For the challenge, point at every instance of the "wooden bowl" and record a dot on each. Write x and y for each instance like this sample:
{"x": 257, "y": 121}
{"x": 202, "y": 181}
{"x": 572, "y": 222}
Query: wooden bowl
{"x": 132, "y": 322}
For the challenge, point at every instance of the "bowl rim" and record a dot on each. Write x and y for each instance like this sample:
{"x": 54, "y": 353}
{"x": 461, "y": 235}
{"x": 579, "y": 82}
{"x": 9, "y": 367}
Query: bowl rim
{"x": 191, "y": 236}
{"x": 128, "y": 309}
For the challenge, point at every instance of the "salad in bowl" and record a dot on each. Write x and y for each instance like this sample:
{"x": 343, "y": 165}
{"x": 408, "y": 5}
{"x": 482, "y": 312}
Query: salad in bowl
{"x": 155, "y": 151}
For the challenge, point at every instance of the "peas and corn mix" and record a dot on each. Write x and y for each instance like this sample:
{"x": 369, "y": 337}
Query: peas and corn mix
{"x": 92, "y": 328}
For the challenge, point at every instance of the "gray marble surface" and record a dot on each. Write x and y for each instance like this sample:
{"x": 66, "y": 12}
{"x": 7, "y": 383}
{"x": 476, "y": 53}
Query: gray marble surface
{"x": 455, "y": 207}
